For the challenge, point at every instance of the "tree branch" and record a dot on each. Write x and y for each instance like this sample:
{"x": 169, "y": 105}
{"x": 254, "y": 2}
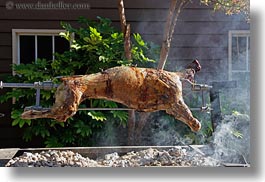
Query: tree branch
{"x": 173, "y": 14}
{"x": 181, "y": 6}
{"x": 122, "y": 16}
{"x": 127, "y": 42}
{"x": 126, "y": 30}
{"x": 165, "y": 43}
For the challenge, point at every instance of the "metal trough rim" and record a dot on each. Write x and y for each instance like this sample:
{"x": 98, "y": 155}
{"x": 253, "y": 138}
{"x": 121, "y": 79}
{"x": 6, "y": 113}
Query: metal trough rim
{"x": 94, "y": 152}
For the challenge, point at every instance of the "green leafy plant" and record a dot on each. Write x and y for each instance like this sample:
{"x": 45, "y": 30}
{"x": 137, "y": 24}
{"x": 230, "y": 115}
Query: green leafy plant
{"x": 95, "y": 45}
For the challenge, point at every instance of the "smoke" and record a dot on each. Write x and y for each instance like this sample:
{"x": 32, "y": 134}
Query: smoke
{"x": 230, "y": 143}
{"x": 166, "y": 131}
{"x": 110, "y": 135}
{"x": 231, "y": 139}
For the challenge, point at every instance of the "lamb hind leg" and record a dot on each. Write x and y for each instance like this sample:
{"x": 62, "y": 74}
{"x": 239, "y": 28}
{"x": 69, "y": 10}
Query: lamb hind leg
{"x": 181, "y": 112}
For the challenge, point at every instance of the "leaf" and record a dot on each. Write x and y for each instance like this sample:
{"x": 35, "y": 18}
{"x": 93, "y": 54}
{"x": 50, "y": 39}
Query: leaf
{"x": 53, "y": 141}
{"x": 139, "y": 39}
{"x": 55, "y": 123}
{"x": 16, "y": 115}
{"x": 68, "y": 136}
{"x": 237, "y": 133}
{"x": 15, "y": 122}
{"x": 78, "y": 130}
{"x": 121, "y": 115}
{"x": 110, "y": 104}
{"x": 66, "y": 35}
{"x": 236, "y": 113}
{"x": 82, "y": 129}
{"x": 103, "y": 59}
{"x": 115, "y": 35}
{"x": 99, "y": 116}
{"x": 75, "y": 46}
{"x": 43, "y": 133}
{"x": 95, "y": 36}
{"x": 21, "y": 123}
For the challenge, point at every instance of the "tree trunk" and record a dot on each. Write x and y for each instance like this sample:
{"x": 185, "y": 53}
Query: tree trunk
{"x": 127, "y": 42}
{"x": 173, "y": 14}
{"x": 166, "y": 42}
{"x": 122, "y": 16}
{"x": 126, "y": 30}
{"x": 142, "y": 120}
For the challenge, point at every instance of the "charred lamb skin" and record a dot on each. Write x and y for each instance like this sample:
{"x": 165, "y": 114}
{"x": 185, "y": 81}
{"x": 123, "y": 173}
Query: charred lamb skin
{"x": 142, "y": 89}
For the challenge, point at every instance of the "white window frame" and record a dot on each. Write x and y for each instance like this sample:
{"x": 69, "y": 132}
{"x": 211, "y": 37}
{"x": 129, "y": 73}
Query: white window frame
{"x": 243, "y": 33}
{"x": 33, "y": 32}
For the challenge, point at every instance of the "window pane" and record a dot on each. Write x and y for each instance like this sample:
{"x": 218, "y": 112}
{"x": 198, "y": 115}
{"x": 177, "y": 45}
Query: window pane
{"x": 239, "y": 56}
{"x": 44, "y": 47}
{"x": 61, "y": 44}
{"x": 27, "y": 48}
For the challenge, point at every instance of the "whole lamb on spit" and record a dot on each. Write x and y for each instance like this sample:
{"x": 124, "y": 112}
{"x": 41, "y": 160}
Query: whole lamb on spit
{"x": 142, "y": 89}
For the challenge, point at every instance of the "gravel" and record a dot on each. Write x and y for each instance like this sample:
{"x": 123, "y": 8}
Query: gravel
{"x": 150, "y": 157}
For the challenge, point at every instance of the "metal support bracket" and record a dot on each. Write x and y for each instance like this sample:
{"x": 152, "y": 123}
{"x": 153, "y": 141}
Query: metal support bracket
{"x": 46, "y": 85}
{"x": 200, "y": 88}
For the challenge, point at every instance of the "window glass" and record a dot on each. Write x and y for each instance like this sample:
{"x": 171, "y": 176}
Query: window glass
{"x": 239, "y": 53}
{"x": 40, "y": 46}
{"x": 44, "y": 47}
{"x": 61, "y": 44}
{"x": 27, "y": 49}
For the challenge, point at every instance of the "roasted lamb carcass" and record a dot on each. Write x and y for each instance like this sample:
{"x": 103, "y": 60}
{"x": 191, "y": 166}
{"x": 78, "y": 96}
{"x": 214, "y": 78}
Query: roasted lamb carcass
{"x": 142, "y": 89}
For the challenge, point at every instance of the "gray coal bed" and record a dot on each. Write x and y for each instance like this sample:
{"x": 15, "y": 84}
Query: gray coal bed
{"x": 127, "y": 156}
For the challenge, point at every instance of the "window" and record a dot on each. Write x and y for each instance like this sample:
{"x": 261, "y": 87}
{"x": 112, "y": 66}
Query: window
{"x": 30, "y": 44}
{"x": 239, "y": 55}
{"x": 239, "y": 69}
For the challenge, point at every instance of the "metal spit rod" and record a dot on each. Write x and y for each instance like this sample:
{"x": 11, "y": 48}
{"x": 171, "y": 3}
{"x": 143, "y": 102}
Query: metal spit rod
{"x": 105, "y": 109}
{"x": 48, "y": 85}
{"x": 39, "y": 108}
{"x": 129, "y": 109}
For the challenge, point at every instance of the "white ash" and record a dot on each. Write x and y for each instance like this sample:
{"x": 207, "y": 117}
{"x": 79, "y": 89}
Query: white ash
{"x": 149, "y": 157}
{"x": 51, "y": 158}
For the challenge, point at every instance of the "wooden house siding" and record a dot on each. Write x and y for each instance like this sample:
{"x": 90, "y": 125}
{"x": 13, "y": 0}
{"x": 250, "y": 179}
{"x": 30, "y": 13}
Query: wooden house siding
{"x": 200, "y": 33}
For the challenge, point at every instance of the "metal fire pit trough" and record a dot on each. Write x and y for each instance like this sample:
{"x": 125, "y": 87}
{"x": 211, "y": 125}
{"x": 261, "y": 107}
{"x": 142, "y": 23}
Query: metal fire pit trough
{"x": 96, "y": 152}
